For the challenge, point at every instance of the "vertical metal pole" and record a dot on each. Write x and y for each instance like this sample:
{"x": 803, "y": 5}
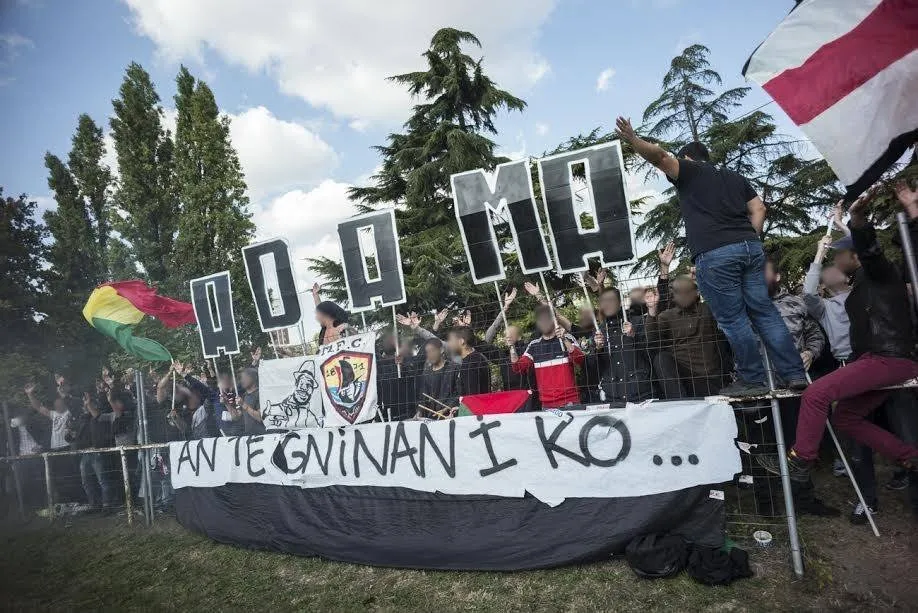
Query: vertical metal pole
{"x": 14, "y": 466}
{"x": 128, "y": 503}
{"x": 48, "y": 487}
{"x": 908, "y": 250}
{"x": 796, "y": 554}
{"x": 147, "y": 475}
{"x": 303, "y": 337}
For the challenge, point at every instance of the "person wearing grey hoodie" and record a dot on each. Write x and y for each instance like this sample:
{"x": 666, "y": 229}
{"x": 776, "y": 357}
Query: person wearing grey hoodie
{"x": 829, "y": 311}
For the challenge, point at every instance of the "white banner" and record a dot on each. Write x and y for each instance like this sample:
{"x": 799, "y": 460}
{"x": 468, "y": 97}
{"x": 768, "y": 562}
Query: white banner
{"x": 600, "y": 453}
{"x": 290, "y": 394}
{"x": 336, "y": 387}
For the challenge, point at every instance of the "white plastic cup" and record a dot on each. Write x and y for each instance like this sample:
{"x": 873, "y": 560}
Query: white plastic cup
{"x": 762, "y": 538}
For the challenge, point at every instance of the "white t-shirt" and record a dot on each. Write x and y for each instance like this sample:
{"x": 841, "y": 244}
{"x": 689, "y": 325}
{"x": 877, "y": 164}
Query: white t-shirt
{"x": 59, "y": 422}
{"x": 27, "y": 444}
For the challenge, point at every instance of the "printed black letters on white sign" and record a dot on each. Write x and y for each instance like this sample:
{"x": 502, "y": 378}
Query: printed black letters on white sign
{"x": 274, "y": 312}
{"x": 381, "y": 279}
{"x": 212, "y": 298}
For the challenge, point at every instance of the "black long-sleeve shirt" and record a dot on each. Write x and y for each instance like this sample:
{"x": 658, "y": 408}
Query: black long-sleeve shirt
{"x": 474, "y": 375}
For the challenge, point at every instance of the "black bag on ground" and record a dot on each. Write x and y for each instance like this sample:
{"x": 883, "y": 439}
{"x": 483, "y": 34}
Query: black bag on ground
{"x": 714, "y": 566}
{"x": 654, "y": 556}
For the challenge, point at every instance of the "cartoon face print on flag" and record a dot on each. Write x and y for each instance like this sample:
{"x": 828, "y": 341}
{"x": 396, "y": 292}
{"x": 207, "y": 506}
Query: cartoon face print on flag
{"x": 348, "y": 373}
{"x": 473, "y": 201}
{"x": 290, "y": 394}
{"x": 266, "y": 262}
{"x": 576, "y": 184}
{"x": 370, "y": 278}
{"x": 212, "y": 298}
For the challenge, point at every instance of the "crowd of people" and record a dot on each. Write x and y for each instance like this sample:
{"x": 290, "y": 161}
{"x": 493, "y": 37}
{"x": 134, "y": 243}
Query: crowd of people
{"x": 729, "y": 327}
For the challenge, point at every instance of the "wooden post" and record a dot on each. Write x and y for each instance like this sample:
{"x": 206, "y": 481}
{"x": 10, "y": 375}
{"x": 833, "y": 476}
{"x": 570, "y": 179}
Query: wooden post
{"x": 13, "y": 465}
{"x": 49, "y": 489}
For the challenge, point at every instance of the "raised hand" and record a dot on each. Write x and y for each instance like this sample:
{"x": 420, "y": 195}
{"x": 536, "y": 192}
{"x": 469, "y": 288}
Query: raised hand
{"x": 316, "y": 288}
{"x": 591, "y": 282}
{"x": 628, "y": 329}
{"x": 29, "y": 389}
{"x": 601, "y": 278}
{"x": 403, "y": 319}
{"x": 533, "y": 290}
{"x": 464, "y": 319}
{"x": 665, "y": 255}
{"x": 256, "y": 355}
{"x": 414, "y": 320}
{"x": 509, "y": 297}
{"x": 441, "y": 315}
{"x": 559, "y": 332}
{"x": 624, "y": 130}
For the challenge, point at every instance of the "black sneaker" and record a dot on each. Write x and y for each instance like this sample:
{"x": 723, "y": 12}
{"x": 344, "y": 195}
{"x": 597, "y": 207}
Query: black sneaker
{"x": 817, "y": 508}
{"x": 741, "y": 389}
{"x": 798, "y": 468}
{"x": 899, "y": 481}
{"x": 859, "y": 515}
{"x": 797, "y": 385}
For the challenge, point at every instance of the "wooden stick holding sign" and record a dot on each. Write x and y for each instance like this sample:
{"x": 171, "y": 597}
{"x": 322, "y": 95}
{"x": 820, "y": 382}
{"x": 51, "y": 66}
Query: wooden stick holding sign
{"x": 432, "y": 412}
{"x": 589, "y": 302}
{"x": 503, "y": 309}
{"x": 551, "y": 307}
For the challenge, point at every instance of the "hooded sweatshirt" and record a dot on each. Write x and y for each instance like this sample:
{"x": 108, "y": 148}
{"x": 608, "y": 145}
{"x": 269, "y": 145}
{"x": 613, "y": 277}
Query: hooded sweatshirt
{"x": 829, "y": 312}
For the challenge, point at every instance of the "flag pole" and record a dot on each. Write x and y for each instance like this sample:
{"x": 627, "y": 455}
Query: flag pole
{"x": 589, "y": 301}
{"x": 233, "y": 373}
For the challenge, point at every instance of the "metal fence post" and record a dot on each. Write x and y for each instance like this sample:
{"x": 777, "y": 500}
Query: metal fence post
{"x": 908, "y": 251}
{"x": 13, "y": 465}
{"x": 49, "y": 489}
{"x": 128, "y": 506}
{"x": 796, "y": 553}
{"x": 145, "y": 454}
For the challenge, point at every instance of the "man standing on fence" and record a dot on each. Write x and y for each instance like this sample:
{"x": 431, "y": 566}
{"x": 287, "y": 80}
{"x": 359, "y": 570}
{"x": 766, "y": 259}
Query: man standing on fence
{"x": 882, "y": 344}
{"x": 723, "y": 220}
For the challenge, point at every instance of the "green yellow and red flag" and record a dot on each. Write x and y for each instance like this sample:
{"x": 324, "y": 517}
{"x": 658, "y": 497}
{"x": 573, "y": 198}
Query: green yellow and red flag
{"x": 115, "y": 308}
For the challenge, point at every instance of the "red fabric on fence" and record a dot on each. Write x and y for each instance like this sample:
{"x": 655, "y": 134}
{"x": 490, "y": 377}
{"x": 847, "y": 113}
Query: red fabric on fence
{"x": 496, "y": 402}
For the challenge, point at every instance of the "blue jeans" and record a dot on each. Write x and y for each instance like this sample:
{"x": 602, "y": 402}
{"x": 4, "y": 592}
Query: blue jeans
{"x": 93, "y": 469}
{"x": 732, "y": 280}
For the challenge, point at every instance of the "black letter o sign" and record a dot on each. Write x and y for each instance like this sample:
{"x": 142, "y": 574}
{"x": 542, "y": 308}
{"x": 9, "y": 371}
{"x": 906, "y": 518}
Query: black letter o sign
{"x": 605, "y": 420}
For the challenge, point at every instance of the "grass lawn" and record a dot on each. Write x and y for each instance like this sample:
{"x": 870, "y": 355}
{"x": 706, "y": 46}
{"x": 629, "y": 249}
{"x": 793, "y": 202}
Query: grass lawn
{"x": 102, "y": 564}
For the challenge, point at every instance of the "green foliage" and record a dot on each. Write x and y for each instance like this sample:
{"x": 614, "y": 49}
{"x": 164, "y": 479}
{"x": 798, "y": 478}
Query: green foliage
{"x": 22, "y": 280}
{"x": 797, "y": 191}
{"x": 213, "y": 220}
{"x": 145, "y": 195}
{"x": 93, "y": 178}
{"x": 446, "y": 133}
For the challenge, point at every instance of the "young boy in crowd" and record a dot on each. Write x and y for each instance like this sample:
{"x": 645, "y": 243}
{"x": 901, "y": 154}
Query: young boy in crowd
{"x": 438, "y": 380}
{"x": 553, "y": 356}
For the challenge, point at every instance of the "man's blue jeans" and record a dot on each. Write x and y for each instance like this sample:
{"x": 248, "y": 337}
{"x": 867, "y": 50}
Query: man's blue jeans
{"x": 732, "y": 280}
{"x": 94, "y": 473}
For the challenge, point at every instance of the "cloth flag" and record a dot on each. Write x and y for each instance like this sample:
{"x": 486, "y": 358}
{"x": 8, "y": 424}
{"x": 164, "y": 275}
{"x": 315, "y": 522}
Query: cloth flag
{"x": 289, "y": 393}
{"x": 846, "y": 72}
{"x": 115, "y": 308}
{"x": 494, "y": 403}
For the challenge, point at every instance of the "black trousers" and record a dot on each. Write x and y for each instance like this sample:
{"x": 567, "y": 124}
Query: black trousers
{"x": 675, "y": 381}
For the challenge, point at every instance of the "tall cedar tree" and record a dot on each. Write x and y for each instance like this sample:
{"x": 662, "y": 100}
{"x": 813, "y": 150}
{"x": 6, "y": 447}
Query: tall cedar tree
{"x": 214, "y": 222}
{"x": 797, "y": 191}
{"x": 22, "y": 290}
{"x": 145, "y": 194}
{"x": 447, "y": 133}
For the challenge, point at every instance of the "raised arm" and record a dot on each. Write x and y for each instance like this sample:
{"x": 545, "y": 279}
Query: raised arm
{"x": 655, "y": 154}
{"x": 35, "y": 402}
{"x": 494, "y": 328}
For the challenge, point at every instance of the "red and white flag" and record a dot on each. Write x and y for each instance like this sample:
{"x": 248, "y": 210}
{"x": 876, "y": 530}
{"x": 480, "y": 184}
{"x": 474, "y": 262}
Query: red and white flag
{"x": 846, "y": 72}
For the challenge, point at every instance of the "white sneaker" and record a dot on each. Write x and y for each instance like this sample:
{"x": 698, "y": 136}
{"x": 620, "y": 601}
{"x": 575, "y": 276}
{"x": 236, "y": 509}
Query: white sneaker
{"x": 859, "y": 514}
{"x": 838, "y": 468}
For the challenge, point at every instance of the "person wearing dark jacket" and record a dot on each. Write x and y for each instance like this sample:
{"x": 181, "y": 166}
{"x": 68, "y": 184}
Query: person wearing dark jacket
{"x": 94, "y": 432}
{"x": 692, "y": 357}
{"x": 621, "y": 353}
{"x": 882, "y": 345}
{"x": 437, "y": 382}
